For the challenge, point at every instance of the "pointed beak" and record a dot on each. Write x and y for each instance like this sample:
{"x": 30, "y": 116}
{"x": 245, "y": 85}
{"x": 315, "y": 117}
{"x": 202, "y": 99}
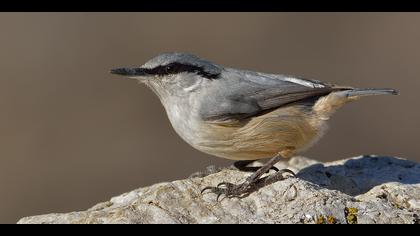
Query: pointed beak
{"x": 130, "y": 72}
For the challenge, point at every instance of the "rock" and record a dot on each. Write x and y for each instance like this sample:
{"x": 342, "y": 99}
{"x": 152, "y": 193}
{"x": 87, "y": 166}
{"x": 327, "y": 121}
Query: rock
{"x": 367, "y": 189}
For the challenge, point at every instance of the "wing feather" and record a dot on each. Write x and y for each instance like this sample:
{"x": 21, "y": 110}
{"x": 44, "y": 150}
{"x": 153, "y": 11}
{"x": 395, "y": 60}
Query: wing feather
{"x": 249, "y": 93}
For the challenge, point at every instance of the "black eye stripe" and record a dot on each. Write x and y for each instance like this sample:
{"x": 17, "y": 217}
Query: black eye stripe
{"x": 175, "y": 68}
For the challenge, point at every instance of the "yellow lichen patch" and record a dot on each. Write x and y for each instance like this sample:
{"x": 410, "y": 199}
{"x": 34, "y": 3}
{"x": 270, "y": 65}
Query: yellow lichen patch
{"x": 351, "y": 215}
{"x": 326, "y": 220}
{"x": 331, "y": 220}
{"x": 320, "y": 220}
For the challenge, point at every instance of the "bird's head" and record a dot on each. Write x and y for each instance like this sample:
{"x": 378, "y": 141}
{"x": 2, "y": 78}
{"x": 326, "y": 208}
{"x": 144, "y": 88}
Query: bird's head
{"x": 178, "y": 72}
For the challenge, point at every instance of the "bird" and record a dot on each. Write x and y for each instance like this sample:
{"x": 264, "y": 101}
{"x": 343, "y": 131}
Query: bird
{"x": 243, "y": 115}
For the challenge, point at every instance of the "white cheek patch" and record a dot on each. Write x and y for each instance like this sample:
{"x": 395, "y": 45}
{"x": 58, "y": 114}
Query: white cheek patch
{"x": 193, "y": 86}
{"x": 191, "y": 82}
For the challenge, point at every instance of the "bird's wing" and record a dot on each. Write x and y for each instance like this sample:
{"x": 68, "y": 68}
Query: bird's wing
{"x": 251, "y": 93}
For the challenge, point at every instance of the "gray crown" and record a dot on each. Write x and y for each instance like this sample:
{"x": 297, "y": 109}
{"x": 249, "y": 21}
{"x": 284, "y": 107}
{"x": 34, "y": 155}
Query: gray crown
{"x": 182, "y": 58}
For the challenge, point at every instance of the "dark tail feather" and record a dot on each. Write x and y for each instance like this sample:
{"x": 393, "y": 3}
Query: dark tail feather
{"x": 370, "y": 91}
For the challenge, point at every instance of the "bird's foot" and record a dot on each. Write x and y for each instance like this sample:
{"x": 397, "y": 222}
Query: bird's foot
{"x": 231, "y": 190}
{"x": 249, "y": 186}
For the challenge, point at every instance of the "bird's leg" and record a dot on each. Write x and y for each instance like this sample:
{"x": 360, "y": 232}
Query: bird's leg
{"x": 276, "y": 176}
{"x": 251, "y": 184}
{"x": 243, "y": 166}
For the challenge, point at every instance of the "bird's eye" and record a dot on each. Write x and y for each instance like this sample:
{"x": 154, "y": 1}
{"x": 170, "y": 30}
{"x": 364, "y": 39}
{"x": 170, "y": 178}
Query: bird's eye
{"x": 168, "y": 68}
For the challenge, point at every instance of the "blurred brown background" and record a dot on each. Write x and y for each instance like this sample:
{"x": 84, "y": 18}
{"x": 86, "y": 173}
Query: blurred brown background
{"x": 72, "y": 135}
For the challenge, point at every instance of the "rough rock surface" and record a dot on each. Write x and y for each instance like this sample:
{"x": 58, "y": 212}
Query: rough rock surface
{"x": 367, "y": 189}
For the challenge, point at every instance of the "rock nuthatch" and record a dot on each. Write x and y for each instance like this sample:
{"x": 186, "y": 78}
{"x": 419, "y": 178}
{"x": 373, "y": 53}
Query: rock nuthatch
{"x": 242, "y": 115}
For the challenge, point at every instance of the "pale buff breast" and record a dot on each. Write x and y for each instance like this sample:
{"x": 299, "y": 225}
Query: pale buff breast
{"x": 286, "y": 130}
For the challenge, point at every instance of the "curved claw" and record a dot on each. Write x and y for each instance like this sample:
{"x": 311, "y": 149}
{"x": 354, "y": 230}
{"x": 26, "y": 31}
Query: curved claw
{"x": 275, "y": 169}
{"x": 226, "y": 184}
{"x": 206, "y": 188}
{"x": 218, "y": 195}
{"x": 223, "y": 183}
{"x": 217, "y": 190}
{"x": 288, "y": 171}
